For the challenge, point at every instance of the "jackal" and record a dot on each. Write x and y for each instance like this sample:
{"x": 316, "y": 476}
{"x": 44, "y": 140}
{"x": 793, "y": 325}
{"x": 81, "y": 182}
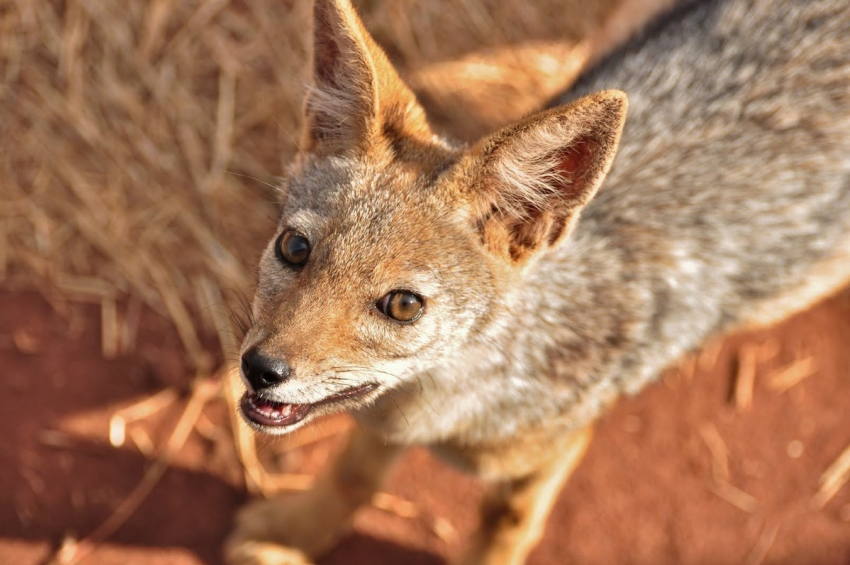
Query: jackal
{"x": 484, "y": 300}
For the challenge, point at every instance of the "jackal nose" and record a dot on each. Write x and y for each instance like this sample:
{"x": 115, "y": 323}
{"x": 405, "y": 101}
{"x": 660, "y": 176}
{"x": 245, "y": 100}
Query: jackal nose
{"x": 264, "y": 372}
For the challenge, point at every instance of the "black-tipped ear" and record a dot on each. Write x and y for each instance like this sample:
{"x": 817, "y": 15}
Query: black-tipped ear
{"x": 357, "y": 96}
{"x": 535, "y": 176}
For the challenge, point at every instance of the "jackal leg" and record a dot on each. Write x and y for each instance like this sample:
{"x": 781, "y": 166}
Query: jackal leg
{"x": 514, "y": 513}
{"x": 295, "y": 529}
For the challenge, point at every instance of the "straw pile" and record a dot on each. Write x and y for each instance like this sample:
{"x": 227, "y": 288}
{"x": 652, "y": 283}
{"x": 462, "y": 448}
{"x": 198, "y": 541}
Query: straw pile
{"x": 126, "y": 125}
{"x": 140, "y": 140}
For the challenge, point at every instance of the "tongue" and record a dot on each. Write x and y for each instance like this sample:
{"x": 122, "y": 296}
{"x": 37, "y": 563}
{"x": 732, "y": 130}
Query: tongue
{"x": 271, "y": 413}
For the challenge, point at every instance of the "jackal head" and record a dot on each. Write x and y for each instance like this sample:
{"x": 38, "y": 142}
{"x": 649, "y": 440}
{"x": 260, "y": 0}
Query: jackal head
{"x": 395, "y": 248}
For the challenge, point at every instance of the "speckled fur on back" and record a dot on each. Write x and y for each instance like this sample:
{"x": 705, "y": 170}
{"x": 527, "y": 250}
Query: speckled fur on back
{"x": 729, "y": 200}
{"x": 728, "y": 204}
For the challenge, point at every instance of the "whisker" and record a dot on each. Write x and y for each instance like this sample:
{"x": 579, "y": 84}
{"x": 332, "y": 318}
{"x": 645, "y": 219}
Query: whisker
{"x": 234, "y": 173}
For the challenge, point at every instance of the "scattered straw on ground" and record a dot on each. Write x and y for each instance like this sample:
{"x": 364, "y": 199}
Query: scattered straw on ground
{"x": 789, "y": 376}
{"x": 73, "y": 551}
{"x": 719, "y": 451}
{"x": 120, "y": 419}
{"x": 734, "y": 496}
{"x": 720, "y": 477}
{"x": 836, "y": 476}
{"x": 746, "y": 376}
{"x": 763, "y": 544}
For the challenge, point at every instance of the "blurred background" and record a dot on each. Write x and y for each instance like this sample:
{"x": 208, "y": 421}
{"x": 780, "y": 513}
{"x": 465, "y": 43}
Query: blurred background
{"x": 139, "y": 146}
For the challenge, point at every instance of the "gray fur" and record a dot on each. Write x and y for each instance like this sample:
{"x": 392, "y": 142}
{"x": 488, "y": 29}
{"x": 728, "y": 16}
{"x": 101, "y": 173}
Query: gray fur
{"x": 730, "y": 188}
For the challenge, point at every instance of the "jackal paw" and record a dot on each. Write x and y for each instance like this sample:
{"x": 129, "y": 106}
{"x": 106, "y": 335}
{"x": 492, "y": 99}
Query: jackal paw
{"x": 292, "y": 530}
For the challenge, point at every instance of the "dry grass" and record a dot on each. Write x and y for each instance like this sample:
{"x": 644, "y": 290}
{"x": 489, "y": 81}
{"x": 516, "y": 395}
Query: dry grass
{"x": 127, "y": 127}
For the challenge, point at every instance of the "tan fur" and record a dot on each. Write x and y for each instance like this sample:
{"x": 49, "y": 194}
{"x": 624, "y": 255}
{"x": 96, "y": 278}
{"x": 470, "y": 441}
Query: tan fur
{"x": 270, "y": 533}
{"x": 514, "y": 511}
{"x": 545, "y": 297}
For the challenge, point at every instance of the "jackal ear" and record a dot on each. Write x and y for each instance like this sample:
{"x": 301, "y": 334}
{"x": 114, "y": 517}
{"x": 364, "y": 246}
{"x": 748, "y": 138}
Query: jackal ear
{"x": 357, "y": 98}
{"x": 534, "y": 177}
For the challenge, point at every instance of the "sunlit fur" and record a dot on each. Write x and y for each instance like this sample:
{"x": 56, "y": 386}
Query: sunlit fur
{"x": 728, "y": 204}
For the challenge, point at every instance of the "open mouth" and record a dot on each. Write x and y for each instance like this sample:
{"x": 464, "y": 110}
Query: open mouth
{"x": 266, "y": 412}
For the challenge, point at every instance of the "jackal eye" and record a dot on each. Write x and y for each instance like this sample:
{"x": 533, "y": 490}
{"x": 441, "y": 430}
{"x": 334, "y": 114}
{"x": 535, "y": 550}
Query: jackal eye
{"x": 401, "y": 305}
{"x": 292, "y": 248}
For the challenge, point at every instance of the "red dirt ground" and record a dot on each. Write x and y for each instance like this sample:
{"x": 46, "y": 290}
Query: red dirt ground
{"x": 644, "y": 494}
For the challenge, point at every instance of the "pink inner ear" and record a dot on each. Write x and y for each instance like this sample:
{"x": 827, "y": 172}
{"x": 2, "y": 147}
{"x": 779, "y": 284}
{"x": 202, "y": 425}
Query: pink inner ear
{"x": 573, "y": 165}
